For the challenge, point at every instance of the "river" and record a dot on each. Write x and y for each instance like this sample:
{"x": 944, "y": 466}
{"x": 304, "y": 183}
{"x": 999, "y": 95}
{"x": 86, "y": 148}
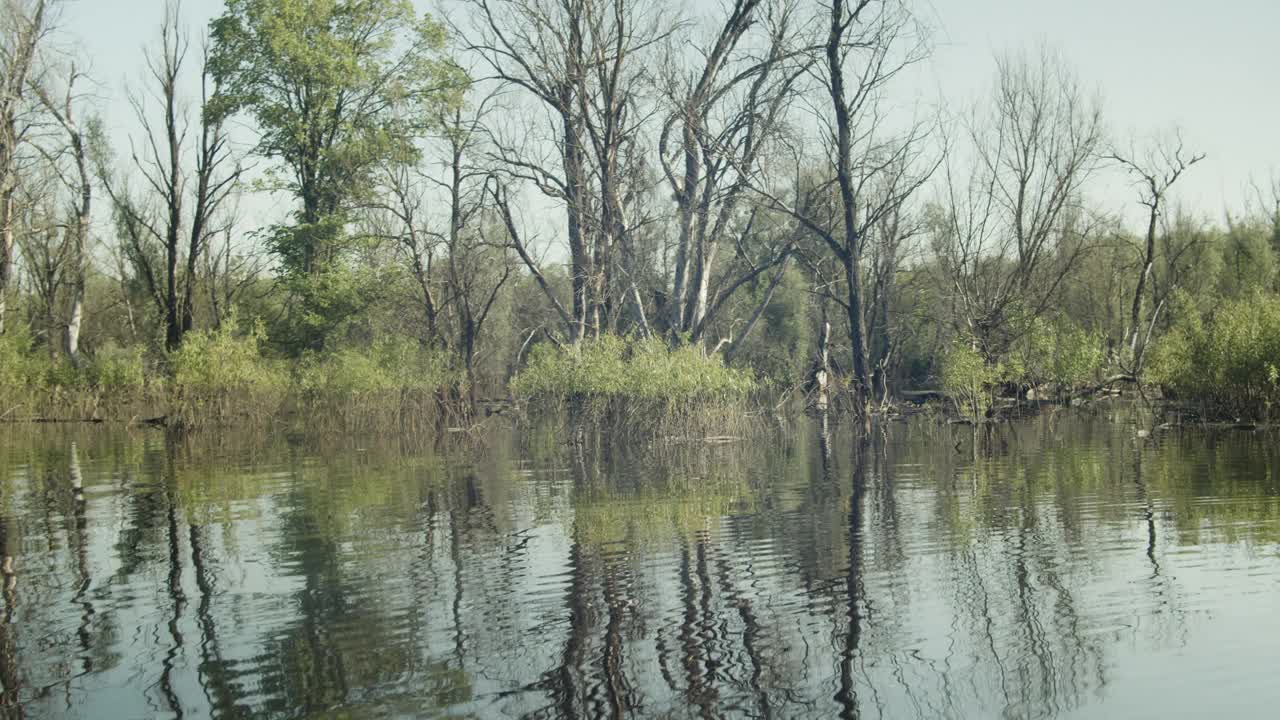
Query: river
{"x": 1060, "y": 566}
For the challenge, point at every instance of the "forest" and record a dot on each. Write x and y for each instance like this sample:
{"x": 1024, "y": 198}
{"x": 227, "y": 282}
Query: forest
{"x": 362, "y": 214}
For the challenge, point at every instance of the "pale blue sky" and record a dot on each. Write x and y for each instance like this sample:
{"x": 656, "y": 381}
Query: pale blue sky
{"x": 1208, "y": 68}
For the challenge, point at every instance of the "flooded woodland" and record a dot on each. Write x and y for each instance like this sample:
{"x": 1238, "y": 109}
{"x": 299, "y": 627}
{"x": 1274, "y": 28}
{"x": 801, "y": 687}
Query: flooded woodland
{"x": 1057, "y": 566}
{"x": 638, "y": 358}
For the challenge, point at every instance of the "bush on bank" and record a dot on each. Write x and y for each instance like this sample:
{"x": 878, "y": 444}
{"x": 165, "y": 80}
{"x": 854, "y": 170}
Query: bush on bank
{"x": 393, "y": 381}
{"x": 1227, "y": 361}
{"x": 32, "y": 384}
{"x": 1051, "y": 355}
{"x": 222, "y": 374}
{"x": 639, "y": 379}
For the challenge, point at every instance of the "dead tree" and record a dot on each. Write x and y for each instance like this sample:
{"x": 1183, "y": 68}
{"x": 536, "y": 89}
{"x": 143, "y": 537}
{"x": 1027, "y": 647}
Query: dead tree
{"x": 722, "y": 116}
{"x": 158, "y": 217}
{"x": 402, "y": 219}
{"x": 46, "y": 255}
{"x": 1154, "y": 172}
{"x": 1013, "y": 229}
{"x": 23, "y": 24}
{"x": 582, "y": 62}
{"x": 538, "y": 46}
{"x": 869, "y": 175}
{"x": 77, "y": 178}
{"x": 618, "y": 35}
{"x": 476, "y": 265}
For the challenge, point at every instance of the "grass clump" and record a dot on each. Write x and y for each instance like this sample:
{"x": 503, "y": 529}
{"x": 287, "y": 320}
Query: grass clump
{"x": 23, "y": 372}
{"x": 633, "y": 380}
{"x": 34, "y": 385}
{"x": 221, "y": 374}
{"x": 1228, "y": 361}
{"x": 394, "y": 381}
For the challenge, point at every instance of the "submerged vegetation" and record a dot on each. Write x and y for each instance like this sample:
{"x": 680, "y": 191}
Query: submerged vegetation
{"x": 762, "y": 232}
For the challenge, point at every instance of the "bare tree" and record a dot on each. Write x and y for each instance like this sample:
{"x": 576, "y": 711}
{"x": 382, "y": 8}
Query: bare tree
{"x": 460, "y": 261}
{"x": 519, "y": 242}
{"x": 77, "y": 178}
{"x": 159, "y": 217}
{"x": 721, "y": 118}
{"x": 582, "y": 61}
{"x": 42, "y": 242}
{"x": 1013, "y": 229}
{"x": 23, "y": 24}
{"x": 230, "y": 270}
{"x": 538, "y": 46}
{"x": 873, "y": 174}
{"x": 476, "y": 266}
{"x": 1154, "y": 170}
{"x": 401, "y": 216}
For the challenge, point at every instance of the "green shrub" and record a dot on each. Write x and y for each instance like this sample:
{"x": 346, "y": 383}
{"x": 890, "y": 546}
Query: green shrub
{"x": 636, "y": 379}
{"x": 24, "y": 371}
{"x": 968, "y": 380}
{"x": 390, "y": 365}
{"x": 1228, "y": 361}
{"x": 1055, "y": 352}
{"x": 221, "y": 373}
{"x": 394, "y": 381}
{"x": 118, "y": 372}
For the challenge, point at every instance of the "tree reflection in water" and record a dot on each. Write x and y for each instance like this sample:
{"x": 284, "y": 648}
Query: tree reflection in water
{"x": 923, "y": 572}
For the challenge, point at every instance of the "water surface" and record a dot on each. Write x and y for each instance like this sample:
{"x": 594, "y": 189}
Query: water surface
{"x": 1058, "y": 568}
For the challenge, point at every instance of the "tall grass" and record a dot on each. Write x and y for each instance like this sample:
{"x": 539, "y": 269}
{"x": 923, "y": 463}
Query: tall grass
{"x": 221, "y": 376}
{"x": 34, "y": 385}
{"x": 393, "y": 383}
{"x": 636, "y": 385}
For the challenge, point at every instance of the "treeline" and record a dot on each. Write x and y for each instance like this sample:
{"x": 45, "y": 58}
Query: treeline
{"x": 517, "y": 179}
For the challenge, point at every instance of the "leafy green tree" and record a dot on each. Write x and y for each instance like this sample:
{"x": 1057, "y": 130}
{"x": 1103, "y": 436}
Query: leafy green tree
{"x": 336, "y": 87}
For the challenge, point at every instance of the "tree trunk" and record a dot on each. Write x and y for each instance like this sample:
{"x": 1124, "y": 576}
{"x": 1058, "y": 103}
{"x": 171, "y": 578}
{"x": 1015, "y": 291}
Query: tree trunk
{"x": 1136, "y": 350}
{"x": 579, "y": 259}
{"x": 6, "y": 250}
{"x": 852, "y": 242}
{"x": 77, "y": 316}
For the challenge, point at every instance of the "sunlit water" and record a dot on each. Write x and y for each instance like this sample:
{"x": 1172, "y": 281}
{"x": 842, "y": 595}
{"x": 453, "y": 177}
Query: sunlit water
{"x": 1061, "y": 567}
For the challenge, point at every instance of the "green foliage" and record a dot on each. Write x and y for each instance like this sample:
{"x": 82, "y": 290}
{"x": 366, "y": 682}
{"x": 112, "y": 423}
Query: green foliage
{"x": 968, "y": 379}
{"x": 32, "y": 384}
{"x": 323, "y": 302}
{"x": 1248, "y": 259}
{"x": 118, "y": 371}
{"x": 23, "y": 369}
{"x": 221, "y": 373}
{"x": 19, "y": 362}
{"x": 337, "y": 88}
{"x": 395, "y": 381}
{"x": 267, "y": 54}
{"x": 780, "y": 346}
{"x": 1050, "y": 352}
{"x": 389, "y": 365}
{"x": 634, "y": 381}
{"x": 1055, "y": 352}
{"x": 1229, "y": 361}
{"x": 613, "y": 367}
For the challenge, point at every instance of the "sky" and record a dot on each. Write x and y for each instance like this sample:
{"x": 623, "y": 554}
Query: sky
{"x": 1206, "y": 69}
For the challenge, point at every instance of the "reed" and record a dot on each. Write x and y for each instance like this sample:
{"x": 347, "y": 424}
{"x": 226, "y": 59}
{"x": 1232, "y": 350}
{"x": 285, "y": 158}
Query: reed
{"x": 637, "y": 386}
